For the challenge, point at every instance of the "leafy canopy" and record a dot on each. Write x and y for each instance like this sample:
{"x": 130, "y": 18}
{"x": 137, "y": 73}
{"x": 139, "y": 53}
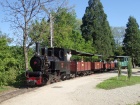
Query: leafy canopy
{"x": 95, "y": 28}
{"x": 131, "y": 40}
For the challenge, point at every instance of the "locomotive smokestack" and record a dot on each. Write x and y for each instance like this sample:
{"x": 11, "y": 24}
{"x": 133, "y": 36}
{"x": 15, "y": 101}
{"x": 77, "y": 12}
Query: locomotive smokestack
{"x": 37, "y": 48}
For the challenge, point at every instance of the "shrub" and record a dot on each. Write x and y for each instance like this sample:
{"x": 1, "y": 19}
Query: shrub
{"x": 129, "y": 68}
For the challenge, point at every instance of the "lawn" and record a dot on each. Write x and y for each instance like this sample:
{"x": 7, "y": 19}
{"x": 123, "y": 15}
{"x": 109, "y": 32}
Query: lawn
{"x": 6, "y": 89}
{"x": 3, "y": 89}
{"x": 138, "y": 103}
{"x": 122, "y": 81}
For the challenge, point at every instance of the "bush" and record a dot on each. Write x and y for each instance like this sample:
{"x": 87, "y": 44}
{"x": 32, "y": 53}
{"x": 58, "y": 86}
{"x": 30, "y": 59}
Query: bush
{"x": 129, "y": 68}
{"x": 20, "y": 79}
{"x": 8, "y": 77}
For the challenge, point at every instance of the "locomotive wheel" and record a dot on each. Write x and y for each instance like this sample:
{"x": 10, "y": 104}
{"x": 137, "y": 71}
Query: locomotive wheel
{"x": 45, "y": 80}
{"x": 54, "y": 77}
{"x": 63, "y": 77}
{"x": 68, "y": 76}
{"x": 57, "y": 76}
{"x": 73, "y": 76}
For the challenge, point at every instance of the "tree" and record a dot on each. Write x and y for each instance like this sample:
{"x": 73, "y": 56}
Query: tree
{"x": 96, "y": 28}
{"x": 7, "y": 62}
{"x": 22, "y": 13}
{"x": 64, "y": 25}
{"x": 39, "y": 32}
{"x": 67, "y": 31}
{"x": 118, "y": 33}
{"x": 129, "y": 68}
{"x": 131, "y": 40}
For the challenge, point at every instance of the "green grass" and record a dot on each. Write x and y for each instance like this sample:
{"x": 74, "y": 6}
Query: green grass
{"x": 6, "y": 88}
{"x": 138, "y": 103}
{"x": 134, "y": 104}
{"x": 113, "y": 82}
{"x": 3, "y": 89}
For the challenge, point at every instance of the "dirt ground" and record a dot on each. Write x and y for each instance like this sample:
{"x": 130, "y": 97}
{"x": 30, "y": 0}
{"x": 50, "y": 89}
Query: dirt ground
{"x": 80, "y": 91}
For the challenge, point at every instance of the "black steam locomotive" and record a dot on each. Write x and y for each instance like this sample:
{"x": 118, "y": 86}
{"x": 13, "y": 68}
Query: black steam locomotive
{"x": 53, "y": 64}
{"x": 50, "y": 65}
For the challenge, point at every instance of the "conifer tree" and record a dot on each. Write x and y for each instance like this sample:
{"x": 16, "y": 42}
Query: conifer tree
{"x": 129, "y": 68}
{"x": 96, "y": 27}
{"x": 131, "y": 42}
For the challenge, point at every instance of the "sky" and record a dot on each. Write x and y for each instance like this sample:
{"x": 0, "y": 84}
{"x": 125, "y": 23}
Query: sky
{"x": 118, "y": 12}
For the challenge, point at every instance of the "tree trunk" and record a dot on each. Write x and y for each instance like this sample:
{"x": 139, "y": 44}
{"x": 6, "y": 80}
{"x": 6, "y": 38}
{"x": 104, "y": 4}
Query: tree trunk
{"x": 26, "y": 58}
{"x": 133, "y": 62}
{"x": 25, "y": 51}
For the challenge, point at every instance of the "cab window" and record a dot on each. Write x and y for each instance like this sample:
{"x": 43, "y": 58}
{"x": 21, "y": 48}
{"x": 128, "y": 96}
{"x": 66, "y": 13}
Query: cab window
{"x": 61, "y": 54}
{"x": 49, "y": 52}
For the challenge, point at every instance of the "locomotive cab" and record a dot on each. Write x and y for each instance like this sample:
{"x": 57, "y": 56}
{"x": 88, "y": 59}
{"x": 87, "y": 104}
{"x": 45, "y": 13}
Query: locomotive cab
{"x": 58, "y": 59}
{"x": 58, "y": 53}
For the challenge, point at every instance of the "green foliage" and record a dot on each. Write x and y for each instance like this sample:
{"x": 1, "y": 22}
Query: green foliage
{"x": 39, "y": 32}
{"x": 138, "y": 103}
{"x": 64, "y": 28}
{"x": 113, "y": 83}
{"x": 17, "y": 53}
{"x": 67, "y": 33}
{"x": 7, "y": 63}
{"x": 11, "y": 62}
{"x": 119, "y": 50}
{"x": 131, "y": 40}
{"x": 96, "y": 28}
{"x": 8, "y": 77}
{"x": 129, "y": 68}
{"x": 20, "y": 79}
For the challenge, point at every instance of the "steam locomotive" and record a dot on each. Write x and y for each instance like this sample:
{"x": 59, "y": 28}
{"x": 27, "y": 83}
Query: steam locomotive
{"x": 51, "y": 65}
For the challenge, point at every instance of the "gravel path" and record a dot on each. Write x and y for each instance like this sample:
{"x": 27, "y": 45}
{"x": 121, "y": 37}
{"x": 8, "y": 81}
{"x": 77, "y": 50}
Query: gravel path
{"x": 79, "y": 91}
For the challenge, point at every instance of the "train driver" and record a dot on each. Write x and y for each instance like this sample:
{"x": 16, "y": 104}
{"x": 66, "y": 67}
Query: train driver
{"x": 116, "y": 62}
{"x": 69, "y": 56}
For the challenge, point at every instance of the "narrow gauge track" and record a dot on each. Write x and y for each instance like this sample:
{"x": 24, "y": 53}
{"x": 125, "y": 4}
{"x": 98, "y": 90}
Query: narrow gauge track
{"x": 19, "y": 91}
{"x": 14, "y": 93}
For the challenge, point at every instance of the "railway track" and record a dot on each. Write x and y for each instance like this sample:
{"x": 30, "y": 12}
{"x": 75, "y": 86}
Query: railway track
{"x": 25, "y": 89}
{"x": 14, "y": 93}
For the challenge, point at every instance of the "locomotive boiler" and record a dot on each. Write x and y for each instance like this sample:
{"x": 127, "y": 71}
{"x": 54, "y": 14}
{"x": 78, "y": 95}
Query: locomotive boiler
{"x": 39, "y": 64}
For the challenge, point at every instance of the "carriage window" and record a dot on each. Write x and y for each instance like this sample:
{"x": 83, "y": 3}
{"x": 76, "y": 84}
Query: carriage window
{"x": 126, "y": 59}
{"x": 121, "y": 59}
